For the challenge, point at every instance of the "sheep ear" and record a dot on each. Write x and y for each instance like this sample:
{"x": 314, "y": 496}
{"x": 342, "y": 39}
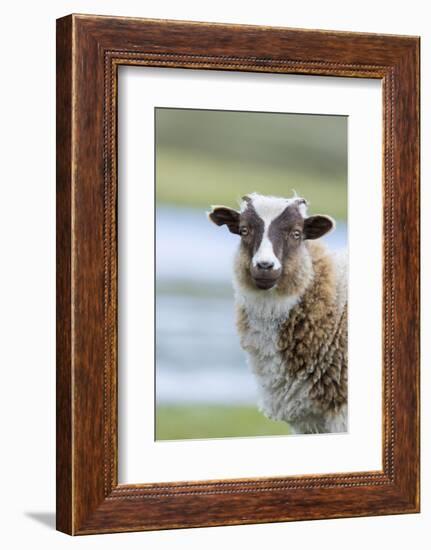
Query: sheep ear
{"x": 317, "y": 226}
{"x": 221, "y": 215}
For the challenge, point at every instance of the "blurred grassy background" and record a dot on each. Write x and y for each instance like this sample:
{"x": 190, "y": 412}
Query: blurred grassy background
{"x": 215, "y": 157}
{"x": 200, "y": 421}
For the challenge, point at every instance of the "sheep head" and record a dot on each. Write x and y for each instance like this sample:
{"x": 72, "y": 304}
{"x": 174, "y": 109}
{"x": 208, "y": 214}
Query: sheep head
{"x": 273, "y": 231}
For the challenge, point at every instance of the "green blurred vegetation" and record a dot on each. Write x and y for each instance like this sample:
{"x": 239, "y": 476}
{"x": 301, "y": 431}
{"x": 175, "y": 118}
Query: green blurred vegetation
{"x": 210, "y": 421}
{"x": 183, "y": 287}
{"x": 215, "y": 157}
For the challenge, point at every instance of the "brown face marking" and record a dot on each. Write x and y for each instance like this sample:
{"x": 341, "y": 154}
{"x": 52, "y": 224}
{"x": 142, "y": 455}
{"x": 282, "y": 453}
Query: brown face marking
{"x": 251, "y": 227}
{"x": 286, "y": 232}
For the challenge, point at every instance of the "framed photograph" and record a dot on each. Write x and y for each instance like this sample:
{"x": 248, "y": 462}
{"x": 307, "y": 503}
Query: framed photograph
{"x": 237, "y": 274}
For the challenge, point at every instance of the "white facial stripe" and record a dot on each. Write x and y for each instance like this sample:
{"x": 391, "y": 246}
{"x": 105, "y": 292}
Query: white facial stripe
{"x": 265, "y": 252}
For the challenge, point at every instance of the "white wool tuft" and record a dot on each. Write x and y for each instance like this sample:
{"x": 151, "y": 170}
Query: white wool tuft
{"x": 269, "y": 207}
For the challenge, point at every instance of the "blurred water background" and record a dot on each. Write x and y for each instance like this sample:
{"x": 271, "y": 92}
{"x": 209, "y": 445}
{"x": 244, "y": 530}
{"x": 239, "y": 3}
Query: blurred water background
{"x": 203, "y": 385}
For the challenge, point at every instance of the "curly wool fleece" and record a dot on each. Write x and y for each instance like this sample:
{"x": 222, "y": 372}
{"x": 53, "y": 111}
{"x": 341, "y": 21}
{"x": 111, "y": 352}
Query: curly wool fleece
{"x": 295, "y": 336}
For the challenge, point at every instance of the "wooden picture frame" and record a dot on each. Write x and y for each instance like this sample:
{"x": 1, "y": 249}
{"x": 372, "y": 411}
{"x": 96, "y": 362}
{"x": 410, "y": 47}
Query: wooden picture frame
{"x": 89, "y": 51}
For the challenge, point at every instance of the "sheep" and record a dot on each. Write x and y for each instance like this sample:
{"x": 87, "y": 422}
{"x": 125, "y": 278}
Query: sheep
{"x": 291, "y": 307}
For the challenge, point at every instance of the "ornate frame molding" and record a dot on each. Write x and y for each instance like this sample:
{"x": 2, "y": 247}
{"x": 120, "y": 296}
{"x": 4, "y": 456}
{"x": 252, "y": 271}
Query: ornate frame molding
{"x": 89, "y": 498}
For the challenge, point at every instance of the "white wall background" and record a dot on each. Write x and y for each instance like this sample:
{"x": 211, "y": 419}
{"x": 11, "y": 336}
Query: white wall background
{"x": 27, "y": 244}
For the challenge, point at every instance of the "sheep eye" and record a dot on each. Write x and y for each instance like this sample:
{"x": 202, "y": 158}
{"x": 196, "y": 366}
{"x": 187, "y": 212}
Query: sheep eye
{"x": 295, "y": 234}
{"x": 243, "y": 231}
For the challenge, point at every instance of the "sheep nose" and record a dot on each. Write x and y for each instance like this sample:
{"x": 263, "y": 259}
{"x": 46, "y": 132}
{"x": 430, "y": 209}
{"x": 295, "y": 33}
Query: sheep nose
{"x": 265, "y": 265}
